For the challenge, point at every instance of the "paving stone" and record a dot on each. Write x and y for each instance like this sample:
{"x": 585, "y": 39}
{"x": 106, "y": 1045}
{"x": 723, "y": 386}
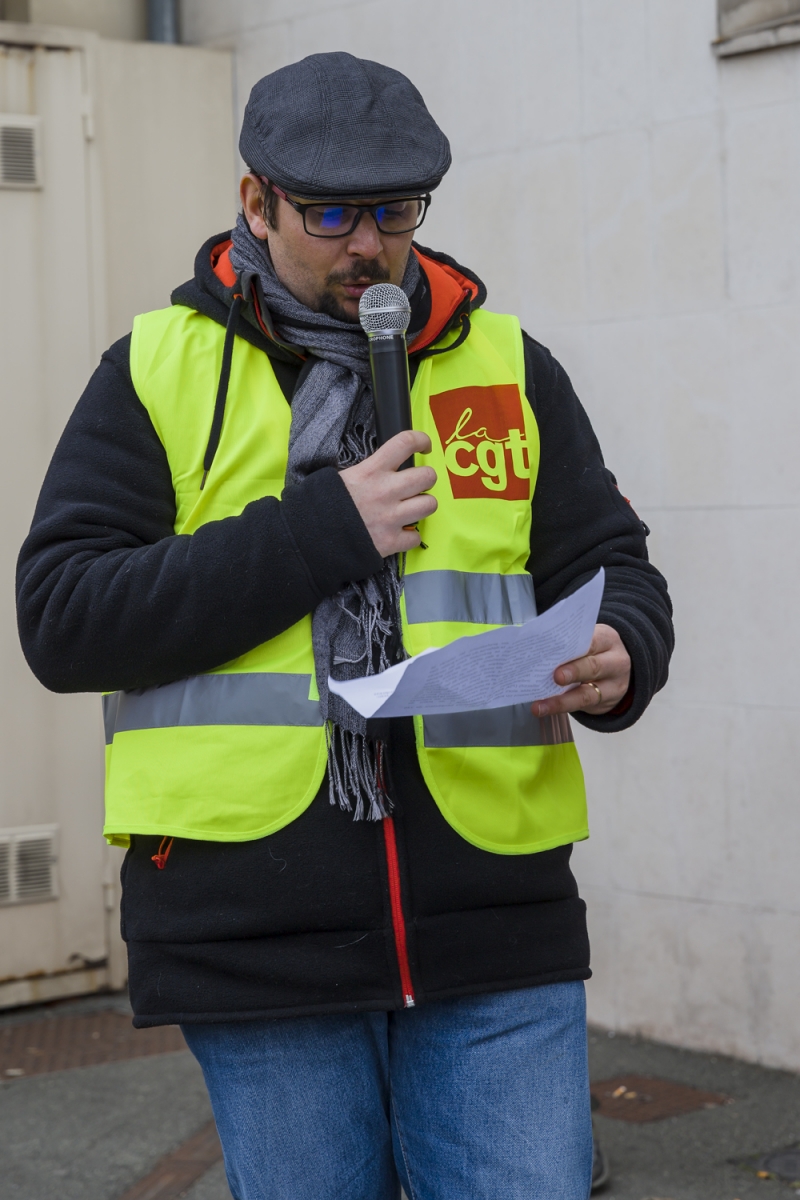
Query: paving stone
{"x": 59, "y": 1043}
{"x": 93, "y": 1132}
{"x": 213, "y": 1186}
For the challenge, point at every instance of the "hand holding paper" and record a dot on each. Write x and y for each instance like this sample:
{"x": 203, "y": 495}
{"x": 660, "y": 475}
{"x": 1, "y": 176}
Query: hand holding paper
{"x": 511, "y": 665}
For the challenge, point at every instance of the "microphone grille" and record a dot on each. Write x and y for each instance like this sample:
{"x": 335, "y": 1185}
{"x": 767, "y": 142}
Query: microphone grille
{"x": 384, "y": 308}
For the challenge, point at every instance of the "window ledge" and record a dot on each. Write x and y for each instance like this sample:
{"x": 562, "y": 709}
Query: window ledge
{"x": 787, "y": 34}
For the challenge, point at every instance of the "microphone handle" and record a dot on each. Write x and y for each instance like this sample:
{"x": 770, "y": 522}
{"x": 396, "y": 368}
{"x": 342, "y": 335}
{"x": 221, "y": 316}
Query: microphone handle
{"x": 390, "y": 387}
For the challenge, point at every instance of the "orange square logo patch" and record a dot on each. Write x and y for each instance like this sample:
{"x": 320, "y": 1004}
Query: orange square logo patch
{"x": 482, "y": 432}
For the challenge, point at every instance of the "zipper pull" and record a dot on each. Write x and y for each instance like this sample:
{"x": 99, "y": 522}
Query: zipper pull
{"x": 160, "y": 859}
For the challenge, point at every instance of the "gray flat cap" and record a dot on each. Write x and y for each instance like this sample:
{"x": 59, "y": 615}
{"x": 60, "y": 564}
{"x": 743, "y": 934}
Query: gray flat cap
{"x": 333, "y": 125}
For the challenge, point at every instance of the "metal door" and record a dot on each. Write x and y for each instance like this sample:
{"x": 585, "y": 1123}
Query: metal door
{"x": 56, "y": 894}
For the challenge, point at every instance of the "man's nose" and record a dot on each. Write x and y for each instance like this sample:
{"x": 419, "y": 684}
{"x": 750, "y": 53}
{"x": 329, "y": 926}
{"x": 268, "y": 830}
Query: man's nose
{"x": 365, "y": 240}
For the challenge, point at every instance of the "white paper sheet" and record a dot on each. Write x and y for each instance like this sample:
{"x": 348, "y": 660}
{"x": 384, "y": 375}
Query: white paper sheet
{"x": 512, "y": 665}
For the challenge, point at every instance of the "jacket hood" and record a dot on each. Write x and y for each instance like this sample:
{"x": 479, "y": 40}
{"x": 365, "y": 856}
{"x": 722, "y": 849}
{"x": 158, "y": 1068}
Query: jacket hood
{"x": 454, "y": 292}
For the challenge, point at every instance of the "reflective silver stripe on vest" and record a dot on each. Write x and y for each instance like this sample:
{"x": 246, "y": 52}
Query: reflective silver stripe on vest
{"x": 251, "y": 699}
{"x": 469, "y": 596}
{"x": 512, "y": 726}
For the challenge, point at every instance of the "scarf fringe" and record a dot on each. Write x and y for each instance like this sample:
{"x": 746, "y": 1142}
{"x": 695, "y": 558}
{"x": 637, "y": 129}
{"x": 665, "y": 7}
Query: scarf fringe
{"x": 356, "y": 768}
{"x": 357, "y": 444}
{"x": 356, "y": 762}
{"x": 375, "y": 619}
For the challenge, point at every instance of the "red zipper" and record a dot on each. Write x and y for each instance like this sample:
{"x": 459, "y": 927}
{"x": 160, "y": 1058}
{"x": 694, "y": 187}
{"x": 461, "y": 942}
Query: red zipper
{"x": 398, "y": 920}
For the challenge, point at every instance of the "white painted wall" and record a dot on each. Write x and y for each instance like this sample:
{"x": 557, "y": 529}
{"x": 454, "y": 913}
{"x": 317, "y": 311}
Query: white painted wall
{"x": 636, "y": 202}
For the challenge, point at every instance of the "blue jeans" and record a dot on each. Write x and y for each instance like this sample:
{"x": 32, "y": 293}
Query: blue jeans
{"x": 480, "y": 1098}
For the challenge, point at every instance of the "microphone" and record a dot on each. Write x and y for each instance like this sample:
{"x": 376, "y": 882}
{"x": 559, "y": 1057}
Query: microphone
{"x": 385, "y": 313}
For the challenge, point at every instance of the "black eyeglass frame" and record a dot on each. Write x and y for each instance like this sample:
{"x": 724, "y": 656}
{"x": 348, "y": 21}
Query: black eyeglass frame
{"x": 302, "y": 207}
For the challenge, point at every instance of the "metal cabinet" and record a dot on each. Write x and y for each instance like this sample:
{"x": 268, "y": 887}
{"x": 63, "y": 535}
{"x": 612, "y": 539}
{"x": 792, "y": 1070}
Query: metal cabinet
{"x": 93, "y": 135}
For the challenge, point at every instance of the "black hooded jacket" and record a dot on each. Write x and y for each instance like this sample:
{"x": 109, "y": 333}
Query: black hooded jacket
{"x": 326, "y": 915}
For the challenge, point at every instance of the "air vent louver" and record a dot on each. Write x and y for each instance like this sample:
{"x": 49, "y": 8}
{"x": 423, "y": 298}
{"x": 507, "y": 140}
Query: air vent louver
{"x": 5, "y": 872}
{"x": 19, "y": 152}
{"x": 27, "y": 864}
{"x": 34, "y": 868}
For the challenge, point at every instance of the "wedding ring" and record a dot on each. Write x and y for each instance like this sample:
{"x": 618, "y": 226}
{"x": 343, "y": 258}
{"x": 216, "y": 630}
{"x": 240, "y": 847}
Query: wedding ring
{"x": 597, "y": 689}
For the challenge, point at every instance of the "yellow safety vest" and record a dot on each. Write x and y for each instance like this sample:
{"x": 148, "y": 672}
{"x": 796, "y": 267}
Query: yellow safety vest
{"x": 240, "y": 752}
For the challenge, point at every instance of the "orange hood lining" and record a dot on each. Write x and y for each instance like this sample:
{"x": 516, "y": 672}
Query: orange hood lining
{"x": 449, "y": 290}
{"x": 221, "y": 263}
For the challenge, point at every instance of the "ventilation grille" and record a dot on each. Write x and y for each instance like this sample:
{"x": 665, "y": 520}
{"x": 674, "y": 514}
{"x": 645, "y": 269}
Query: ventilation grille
{"x": 27, "y": 864}
{"x": 5, "y": 872}
{"x": 20, "y": 159}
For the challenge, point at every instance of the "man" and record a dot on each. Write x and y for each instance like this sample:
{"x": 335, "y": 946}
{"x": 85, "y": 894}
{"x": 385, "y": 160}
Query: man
{"x": 369, "y": 933}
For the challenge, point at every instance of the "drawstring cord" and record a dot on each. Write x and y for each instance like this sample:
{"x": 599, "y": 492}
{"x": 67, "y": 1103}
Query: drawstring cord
{"x": 462, "y": 337}
{"x": 248, "y": 284}
{"x": 222, "y": 389}
{"x": 160, "y": 859}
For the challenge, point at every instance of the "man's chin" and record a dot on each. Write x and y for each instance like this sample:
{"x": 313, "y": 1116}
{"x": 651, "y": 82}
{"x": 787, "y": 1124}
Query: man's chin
{"x": 332, "y": 307}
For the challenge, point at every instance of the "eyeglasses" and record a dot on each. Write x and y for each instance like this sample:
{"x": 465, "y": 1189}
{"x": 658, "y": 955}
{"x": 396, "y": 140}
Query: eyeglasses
{"x": 335, "y": 220}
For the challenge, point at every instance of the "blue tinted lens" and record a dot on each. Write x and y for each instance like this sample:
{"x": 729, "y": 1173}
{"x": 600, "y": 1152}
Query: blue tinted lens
{"x": 332, "y": 218}
{"x": 402, "y": 214}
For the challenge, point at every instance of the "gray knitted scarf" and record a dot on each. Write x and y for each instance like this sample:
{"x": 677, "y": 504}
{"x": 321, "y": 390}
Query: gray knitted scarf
{"x": 357, "y": 631}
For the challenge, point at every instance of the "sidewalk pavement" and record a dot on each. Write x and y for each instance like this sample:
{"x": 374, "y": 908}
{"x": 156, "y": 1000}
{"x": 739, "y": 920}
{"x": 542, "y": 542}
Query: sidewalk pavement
{"x": 138, "y": 1128}
{"x": 709, "y": 1154}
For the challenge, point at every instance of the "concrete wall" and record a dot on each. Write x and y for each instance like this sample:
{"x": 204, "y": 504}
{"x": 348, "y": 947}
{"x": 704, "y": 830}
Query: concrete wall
{"x": 635, "y": 201}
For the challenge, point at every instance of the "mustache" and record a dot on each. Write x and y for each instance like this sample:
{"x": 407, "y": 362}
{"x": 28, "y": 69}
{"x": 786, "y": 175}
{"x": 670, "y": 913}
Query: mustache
{"x": 367, "y": 272}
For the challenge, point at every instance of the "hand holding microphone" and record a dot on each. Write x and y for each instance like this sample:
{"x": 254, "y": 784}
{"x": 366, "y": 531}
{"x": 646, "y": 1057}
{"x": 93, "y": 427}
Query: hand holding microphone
{"x": 385, "y": 312}
{"x": 391, "y": 500}
{"x": 391, "y": 503}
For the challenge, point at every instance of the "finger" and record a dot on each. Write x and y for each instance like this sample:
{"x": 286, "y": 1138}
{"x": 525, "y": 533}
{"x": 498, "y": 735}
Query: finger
{"x": 394, "y": 452}
{"x": 581, "y": 699}
{"x": 580, "y": 670}
{"x": 412, "y": 482}
{"x": 407, "y": 539}
{"x": 607, "y": 652}
{"x": 418, "y": 508}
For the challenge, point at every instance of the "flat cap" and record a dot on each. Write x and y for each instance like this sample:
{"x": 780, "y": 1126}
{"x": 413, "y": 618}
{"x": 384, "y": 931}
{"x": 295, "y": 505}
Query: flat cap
{"x": 333, "y": 125}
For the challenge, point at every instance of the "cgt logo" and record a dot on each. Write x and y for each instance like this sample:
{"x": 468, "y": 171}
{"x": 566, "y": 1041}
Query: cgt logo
{"x": 482, "y": 432}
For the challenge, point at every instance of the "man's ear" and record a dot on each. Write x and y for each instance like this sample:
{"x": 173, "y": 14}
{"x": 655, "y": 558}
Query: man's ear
{"x": 250, "y": 191}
